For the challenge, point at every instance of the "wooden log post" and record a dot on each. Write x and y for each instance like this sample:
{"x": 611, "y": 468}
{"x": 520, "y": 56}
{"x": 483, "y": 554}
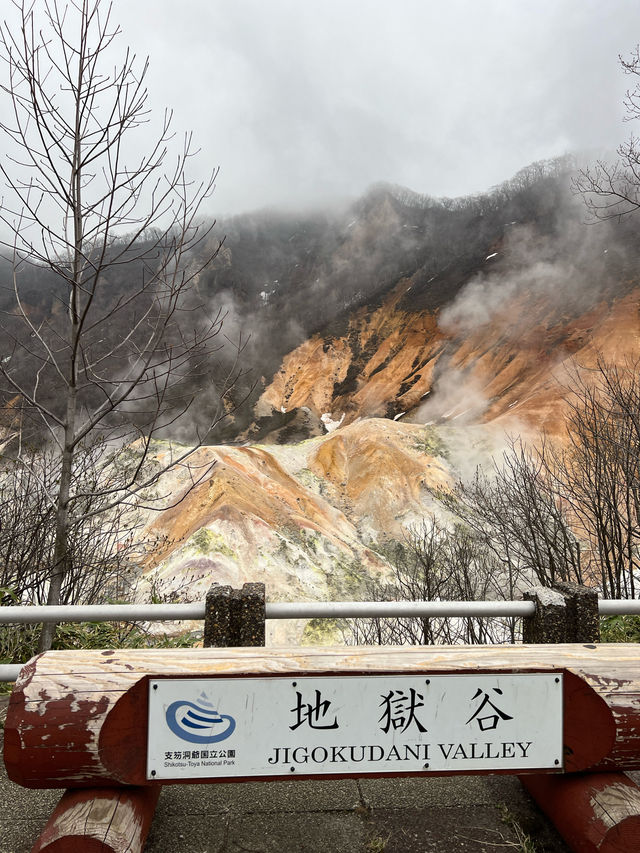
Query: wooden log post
{"x": 593, "y": 812}
{"x": 566, "y": 613}
{"x": 100, "y": 820}
{"x": 235, "y": 617}
{"x": 80, "y": 718}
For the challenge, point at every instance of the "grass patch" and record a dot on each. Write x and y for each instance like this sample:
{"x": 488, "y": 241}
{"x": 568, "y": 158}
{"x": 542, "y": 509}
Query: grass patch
{"x": 377, "y": 844}
{"x": 524, "y": 843}
{"x": 620, "y": 629}
{"x": 19, "y": 643}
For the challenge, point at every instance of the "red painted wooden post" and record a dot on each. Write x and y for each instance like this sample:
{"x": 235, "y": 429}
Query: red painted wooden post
{"x": 80, "y": 718}
{"x": 100, "y": 820}
{"x": 593, "y": 812}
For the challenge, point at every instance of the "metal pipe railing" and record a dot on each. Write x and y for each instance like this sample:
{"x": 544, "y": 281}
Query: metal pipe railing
{"x": 618, "y": 606}
{"x": 30, "y": 614}
{"x": 398, "y": 609}
{"x": 10, "y": 671}
{"x": 33, "y": 614}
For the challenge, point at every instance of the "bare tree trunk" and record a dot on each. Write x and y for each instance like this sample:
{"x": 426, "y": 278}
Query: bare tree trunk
{"x": 61, "y": 553}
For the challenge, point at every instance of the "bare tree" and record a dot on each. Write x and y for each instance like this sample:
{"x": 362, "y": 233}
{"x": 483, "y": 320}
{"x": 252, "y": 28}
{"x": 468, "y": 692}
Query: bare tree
{"x": 435, "y": 563}
{"x": 569, "y": 511}
{"x": 102, "y": 546}
{"x": 612, "y": 190}
{"x": 598, "y": 474}
{"x": 106, "y": 361}
{"x": 517, "y": 512}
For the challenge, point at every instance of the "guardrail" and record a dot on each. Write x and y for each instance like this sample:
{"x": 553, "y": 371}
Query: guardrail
{"x": 35, "y": 614}
{"x": 281, "y": 610}
{"x": 197, "y": 611}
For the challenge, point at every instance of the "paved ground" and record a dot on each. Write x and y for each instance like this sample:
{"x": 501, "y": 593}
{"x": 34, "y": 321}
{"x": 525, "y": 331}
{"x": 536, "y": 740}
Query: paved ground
{"x": 397, "y": 816}
{"x": 462, "y": 815}
{"x": 481, "y": 814}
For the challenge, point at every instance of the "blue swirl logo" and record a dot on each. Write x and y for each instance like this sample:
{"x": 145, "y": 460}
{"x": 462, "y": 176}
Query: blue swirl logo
{"x": 198, "y": 723}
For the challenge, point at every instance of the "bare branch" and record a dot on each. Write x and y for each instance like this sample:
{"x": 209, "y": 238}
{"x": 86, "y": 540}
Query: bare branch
{"x": 107, "y": 363}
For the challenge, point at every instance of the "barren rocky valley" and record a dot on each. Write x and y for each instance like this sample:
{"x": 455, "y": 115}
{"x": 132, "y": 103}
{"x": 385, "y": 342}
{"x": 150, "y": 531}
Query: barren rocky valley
{"x": 390, "y": 379}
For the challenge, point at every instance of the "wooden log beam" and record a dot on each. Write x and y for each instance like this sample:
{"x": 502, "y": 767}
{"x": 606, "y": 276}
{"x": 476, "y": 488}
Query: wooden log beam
{"x": 593, "y": 812}
{"x": 78, "y": 718}
{"x": 100, "y": 820}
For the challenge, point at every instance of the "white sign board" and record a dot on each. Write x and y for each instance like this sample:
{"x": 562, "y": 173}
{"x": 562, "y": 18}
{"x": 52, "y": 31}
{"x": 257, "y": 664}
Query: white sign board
{"x": 245, "y": 727}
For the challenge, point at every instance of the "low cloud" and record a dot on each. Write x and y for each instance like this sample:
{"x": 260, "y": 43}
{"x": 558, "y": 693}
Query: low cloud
{"x": 456, "y": 396}
{"x": 567, "y": 271}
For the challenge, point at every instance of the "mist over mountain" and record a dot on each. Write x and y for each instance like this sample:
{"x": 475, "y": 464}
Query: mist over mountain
{"x": 320, "y": 281}
{"x": 387, "y": 347}
{"x": 347, "y": 281}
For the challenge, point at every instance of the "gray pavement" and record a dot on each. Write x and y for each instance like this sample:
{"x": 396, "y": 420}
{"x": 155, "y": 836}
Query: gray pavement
{"x": 464, "y": 814}
{"x": 459, "y": 815}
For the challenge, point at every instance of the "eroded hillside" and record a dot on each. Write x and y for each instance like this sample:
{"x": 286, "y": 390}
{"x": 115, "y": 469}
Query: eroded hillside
{"x": 431, "y": 362}
{"x": 503, "y": 348}
{"x": 307, "y": 519}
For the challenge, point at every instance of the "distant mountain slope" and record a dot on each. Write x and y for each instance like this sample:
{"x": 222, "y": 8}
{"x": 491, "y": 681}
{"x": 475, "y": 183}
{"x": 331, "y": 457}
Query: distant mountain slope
{"x": 532, "y": 308}
{"x": 358, "y": 311}
{"x": 363, "y": 312}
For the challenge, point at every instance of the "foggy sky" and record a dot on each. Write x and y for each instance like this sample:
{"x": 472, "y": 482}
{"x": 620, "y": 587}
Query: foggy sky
{"x": 304, "y": 101}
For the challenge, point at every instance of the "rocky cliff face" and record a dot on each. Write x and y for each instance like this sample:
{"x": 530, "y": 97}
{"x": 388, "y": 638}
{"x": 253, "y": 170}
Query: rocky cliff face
{"x": 503, "y": 348}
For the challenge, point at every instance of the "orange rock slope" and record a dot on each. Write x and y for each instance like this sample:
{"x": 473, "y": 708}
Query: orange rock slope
{"x": 517, "y": 364}
{"x": 306, "y": 519}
